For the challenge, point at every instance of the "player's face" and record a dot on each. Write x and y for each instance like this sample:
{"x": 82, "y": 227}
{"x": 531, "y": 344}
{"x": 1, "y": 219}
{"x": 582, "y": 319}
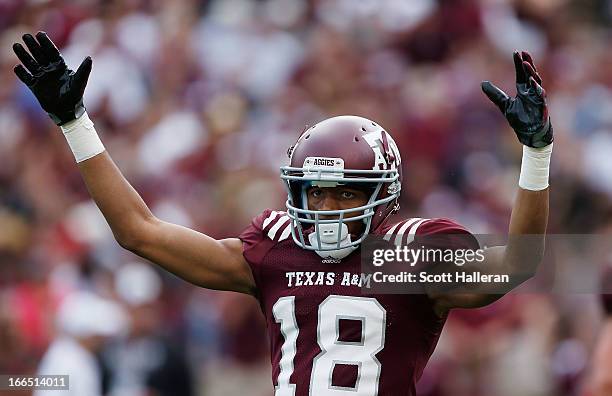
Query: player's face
{"x": 337, "y": 198}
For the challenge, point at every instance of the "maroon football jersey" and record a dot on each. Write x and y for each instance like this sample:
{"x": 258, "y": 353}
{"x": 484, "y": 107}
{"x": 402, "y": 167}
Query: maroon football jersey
{"x": 327, "y": 337}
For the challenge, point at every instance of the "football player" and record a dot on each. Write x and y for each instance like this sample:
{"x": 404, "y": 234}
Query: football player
{"x": 344, "y": 180}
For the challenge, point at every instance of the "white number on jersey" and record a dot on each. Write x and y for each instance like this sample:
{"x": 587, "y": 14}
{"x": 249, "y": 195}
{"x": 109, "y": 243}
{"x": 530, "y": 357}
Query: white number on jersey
{"x": 284, "y": 313}
{"x": 333, "y": 351}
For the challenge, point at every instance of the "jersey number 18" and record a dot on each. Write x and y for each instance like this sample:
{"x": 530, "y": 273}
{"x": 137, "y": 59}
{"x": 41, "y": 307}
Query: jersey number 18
{"x": 333, "y": 351}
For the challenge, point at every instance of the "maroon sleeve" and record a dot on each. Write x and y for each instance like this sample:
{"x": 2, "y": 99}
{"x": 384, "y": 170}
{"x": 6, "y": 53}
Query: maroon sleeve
{"x": 255, "y": 245}
{"x": 446, "y": 234}
{"x": 443, "y": 234}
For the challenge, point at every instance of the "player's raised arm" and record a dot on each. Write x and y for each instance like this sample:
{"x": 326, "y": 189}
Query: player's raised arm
{"x": 527, "y": 114}
{"x": 189, "y": 254}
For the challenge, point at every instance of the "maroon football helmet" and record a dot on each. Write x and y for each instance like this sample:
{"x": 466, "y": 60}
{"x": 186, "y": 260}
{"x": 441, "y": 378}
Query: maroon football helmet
{"x": 344, "y": 150}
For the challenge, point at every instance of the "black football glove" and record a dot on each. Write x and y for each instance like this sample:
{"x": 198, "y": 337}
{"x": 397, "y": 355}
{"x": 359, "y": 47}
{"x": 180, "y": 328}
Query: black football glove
{"x": 527, "y": 113}
{"x": 58, "y": 89}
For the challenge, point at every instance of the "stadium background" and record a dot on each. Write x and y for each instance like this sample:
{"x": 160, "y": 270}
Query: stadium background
{"x": 197, "y": 101}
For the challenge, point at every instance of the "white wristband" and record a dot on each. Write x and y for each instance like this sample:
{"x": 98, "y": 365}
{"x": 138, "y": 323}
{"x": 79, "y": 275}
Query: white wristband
{"x": 82, "y": 138}
{"x": 535, "y": 168}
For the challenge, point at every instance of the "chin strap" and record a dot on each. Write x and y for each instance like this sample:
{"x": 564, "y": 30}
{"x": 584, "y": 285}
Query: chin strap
{"x": 328, "y": 233}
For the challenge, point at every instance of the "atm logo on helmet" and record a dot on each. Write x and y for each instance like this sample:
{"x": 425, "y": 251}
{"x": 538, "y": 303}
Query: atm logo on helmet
{"x": 386, "y": 153}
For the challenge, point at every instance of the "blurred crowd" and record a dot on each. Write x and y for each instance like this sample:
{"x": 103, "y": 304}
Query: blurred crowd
{"x": 197, "y": 101}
